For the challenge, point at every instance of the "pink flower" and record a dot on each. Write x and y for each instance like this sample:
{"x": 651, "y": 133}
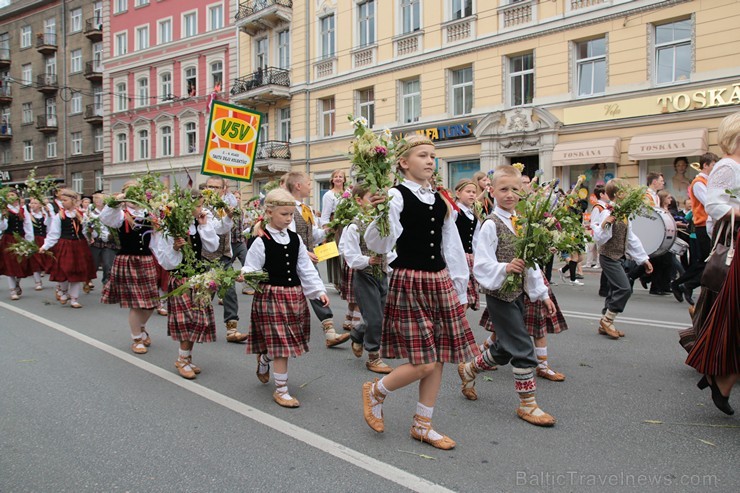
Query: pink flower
{"x": 212, "y": 285}
{"x": 346, "y": 194}
{"x": 381, "y": 151}
{"x": 558, "y": 226}
{"x": 148, "y": 195}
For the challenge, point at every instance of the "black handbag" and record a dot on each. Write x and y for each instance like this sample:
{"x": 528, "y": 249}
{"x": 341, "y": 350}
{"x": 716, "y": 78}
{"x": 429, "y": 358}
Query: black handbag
{"x": 720, "y": 258}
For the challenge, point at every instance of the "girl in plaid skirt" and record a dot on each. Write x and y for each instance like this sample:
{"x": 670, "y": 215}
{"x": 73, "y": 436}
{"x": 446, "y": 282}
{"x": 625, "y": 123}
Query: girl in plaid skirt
{"x": 15, "y": 219}
{"x": 424, "y": 319}
{"x": 467, "y": 226}
{"x": 133, "y": 277}
{"x": 40, "y": 220}
{"x": 281, "y": 324}
{"x": 73, "y": 264}
{"x": 187, "y": 322}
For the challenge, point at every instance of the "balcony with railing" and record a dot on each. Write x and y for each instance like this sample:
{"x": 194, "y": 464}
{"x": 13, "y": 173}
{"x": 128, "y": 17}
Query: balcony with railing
{"x": 265, "y": 85}
{"x": 4, "y": 58}
{"x": 459, "y": 30}
{"x": 6, "y": 132}
{"x": 93, "y": 71}
{"x": 584, "y": 4}
{"x": 409, "y": 43}
{"x": 94, "y": 29}
{"x": 94, "y": 113}
{"x": 47, "y": 123}
{"x": 47, "y": 83}
{"x": 517, "y": 14}
{"x": 6, "y": 94}
{"x": 46, "y": 43}
{"x": 273, "y": 156}
{"x": 254, "y": 16}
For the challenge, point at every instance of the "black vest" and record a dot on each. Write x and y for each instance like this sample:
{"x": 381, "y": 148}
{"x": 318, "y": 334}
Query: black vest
{"x": 281, "y": 261}
{"x": 71, "y": 228}
{"x": 466, "y": 228}
{"x": 15, "y": 223}
{"x": 420, "y": 245}
{"x": 135, "y": 241}
{"x": 197, "y": 245}
{"x": 39, "y": 226}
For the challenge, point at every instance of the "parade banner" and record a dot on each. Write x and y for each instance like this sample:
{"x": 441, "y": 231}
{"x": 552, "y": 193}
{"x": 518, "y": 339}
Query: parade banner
{"x": 232, "y": 141}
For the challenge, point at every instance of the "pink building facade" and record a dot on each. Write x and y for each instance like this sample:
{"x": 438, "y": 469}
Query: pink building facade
{"x": 164, "y": 60}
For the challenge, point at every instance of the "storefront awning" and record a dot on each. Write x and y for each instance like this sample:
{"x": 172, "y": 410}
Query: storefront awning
{"x": 691, "y": 142}
{"x": 587, "y": 152}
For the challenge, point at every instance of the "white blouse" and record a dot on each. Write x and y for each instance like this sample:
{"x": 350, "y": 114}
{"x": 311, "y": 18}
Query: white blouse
{"x": 54, "y": 231}
{"x": 27, "y": 224}
{"x": 633, "y": 249}
{"x": 724, "y": 176}
{"x": 163, "y": 246}
{"x": 328, "y": 206}
{"x": 349, "y": 247}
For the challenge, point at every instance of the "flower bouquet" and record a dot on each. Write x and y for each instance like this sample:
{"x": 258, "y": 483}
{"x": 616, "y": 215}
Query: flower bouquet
{"x": 630, "y": 203}
{"x": 23, "y": 249}
{"x": 372, "y": 158}
{"x": 39, "y": 190}
{"x": 346, "y": 211}
{"x": 216, "y": 280}
{"x": 569, "y": 235}
{"x": 215, "y": 202}
{"x": 4, "y": 200}
{"x": 146, "y": 188}
{"x": 252, "y": 213}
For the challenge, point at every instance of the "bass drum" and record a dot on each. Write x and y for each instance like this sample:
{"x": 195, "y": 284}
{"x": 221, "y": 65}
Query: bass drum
{"x": 657, "y": 232}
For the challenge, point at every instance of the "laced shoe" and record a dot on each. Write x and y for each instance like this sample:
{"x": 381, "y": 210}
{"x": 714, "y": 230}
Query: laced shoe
{"x": 420, "y": 431}
{"x": 184, "y": 368}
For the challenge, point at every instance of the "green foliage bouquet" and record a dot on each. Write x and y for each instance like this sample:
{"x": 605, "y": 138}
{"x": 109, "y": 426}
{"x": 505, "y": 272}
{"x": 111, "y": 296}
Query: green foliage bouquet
{"x": 39, "y": 190}
{"x": 216, "y": 280}
{"x": 629, "y": 203}
{"x": 23, "y": 248}
{"x": 345, "y": 212}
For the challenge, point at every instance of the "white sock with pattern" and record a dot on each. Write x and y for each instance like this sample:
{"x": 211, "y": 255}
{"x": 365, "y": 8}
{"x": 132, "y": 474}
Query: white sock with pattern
{"x": 264, "y": 363}
{"x": 281, "y": 385}
{"x": 377, "y": 406}
{"x": 425, "y": 412}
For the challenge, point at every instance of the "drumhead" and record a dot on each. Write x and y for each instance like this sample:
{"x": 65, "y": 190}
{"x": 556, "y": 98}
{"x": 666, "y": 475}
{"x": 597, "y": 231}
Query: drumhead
{"x": 657, "y": 231}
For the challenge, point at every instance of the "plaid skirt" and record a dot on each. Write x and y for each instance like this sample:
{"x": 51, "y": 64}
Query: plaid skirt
{"x": 132, "y": 283}
{"x": 73, "y": 262}
{"x": 9, "y": 263}
{"x": 41, "y": 262}
{"x": 186, "y": 321}
{"x": 424, "y": 321}
{"x": 163, "y": 276}
{"x": 536, "y": 319}
{"x": 473, "y": 287}
{"x": 281, "y": 322}
{"x": 347, "y": 292}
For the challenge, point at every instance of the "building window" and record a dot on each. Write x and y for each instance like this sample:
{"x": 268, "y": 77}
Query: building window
{"x": 98, "y": 179}
{"x": 461, "y": 9}
{"x": 75, "y": 103}
{"x": 25, "y": 36}
{"x": 98, "y": 139}
{"x": 142, "y": 38}
{"x": 191, "y": 138}
{"x": 28, "y": 150}
{"x": 410, "y": 101}
{"x": 191, "y": 81}
{"x": 122, "y": 141}
{"x": 51, "y": 146}
{"x": 284, "y": 49}
{"x": 76, "y": 142}
{"x": 51, "y": 111}
{"x": 327, "y": 36}
{"x": 141, "y": 3}
{"x": 521, "y": 77}
{"x": 27, "y": 74}
{"x": 410, "y": 16}
{"x": 165, "y": 31}
{"x": 121, "y": 97}
{"x": 165, "y": 86}
{"x": 366, "y": 22}
{"x": 462, "y": 169}
{"x": 189, "y": 25}
{"x": 673, "y": 52}
{"x": 462, "y": 91}
{"x": 264, "y": 135}
{"x": 217, "y": 74}
{"x": 216, "y": 17}
{"x": 120, "y": 6}
{"x": 166, "y": 137}
{"x": 142, "y": 92}
{"x": 98, "y": 13}
{"x": 143, "y": 136}
{"x": 75, "y": 61}
{"x": 284, "y": 124}
{"x": 121, "y": 44}
{"x": 366, "y": 105}
{"x": 591, "y": 67}
{"x": 261, "y": 53}
{"x": 50, "y": 63}
{"x": 327, "y": 117}
{"x": 75, "y": 20}
{"x": 27, "y": 113}
{"x": 97, "y": 49}
{"x": 77, "y": 182}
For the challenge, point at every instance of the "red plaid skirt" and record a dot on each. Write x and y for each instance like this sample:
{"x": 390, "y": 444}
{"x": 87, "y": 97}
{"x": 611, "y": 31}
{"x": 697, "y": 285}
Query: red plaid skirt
{"x": 347, "y": 292}
{"x": 187, "y": 322}
{"x": 41, "y": 262}
{"x": 163, "y": 276}
{"x": 536, "y": 319}
{"x": 424, "y": 320}
{"x": 132, "y": 283}
{"x": 281, "y": 322}
{"x": 9, "y": 264}
{"x": 473, "y": 287}
{"x": 73, "y": 262}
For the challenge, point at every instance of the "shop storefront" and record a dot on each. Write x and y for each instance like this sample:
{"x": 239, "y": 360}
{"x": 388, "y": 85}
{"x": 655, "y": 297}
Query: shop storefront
{"x": 595, "y": 159}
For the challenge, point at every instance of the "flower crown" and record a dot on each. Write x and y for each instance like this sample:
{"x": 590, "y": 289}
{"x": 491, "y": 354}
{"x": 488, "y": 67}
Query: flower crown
{"x": 279, "y": 203}
{"x": 404, "y": 146}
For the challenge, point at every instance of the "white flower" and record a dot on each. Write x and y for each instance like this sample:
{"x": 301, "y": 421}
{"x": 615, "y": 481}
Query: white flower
{"x": 361, "y": 121}
{"x": 387, "y": 133}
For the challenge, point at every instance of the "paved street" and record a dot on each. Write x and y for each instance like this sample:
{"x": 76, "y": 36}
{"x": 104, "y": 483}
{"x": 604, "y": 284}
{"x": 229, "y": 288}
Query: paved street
{"x": 80, "y": 412}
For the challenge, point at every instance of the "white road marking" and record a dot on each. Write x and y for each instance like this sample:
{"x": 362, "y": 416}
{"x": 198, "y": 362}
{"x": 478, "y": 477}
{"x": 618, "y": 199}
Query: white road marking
{"x": 374, "y": 466}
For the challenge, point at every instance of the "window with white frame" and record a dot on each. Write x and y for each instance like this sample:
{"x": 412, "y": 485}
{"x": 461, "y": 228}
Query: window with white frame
{"x": 28, "y": 150}
{"x": 217, "y": 73}
{"x": 51, "y": 146}
{"x": 410, "y": 101}
{"x": 98, "y": 13}
{"x": 142, "y": 38}
{"x": 261, "y": 55}
{"x": 521, "y": 79}
{"x": 98, "y": 176}
{"x": 25, "y": 36}
{"x": 75, "y": 20}
{"x": 327, "y": 36}
{"x": 215, "y": 17}
{"x": 98, "y": 139}
{"x": 191, "y": 138}
{"x": 164, "y": 28}
{"x": 673, "y": 52}
{"x": 6, "y": 155}
{"x": 76, "y": 142}
{"x": 165, "y": 86}
{"x": 366, "y": 105}
{"x": 75, "y": 103}
{"x": 366, "y": 22}
{"x": 326, "y": 108}
{"x": 122, "y": 147}
{"x": 27, "y": 113}
{"x": 26, "y": 74}
{"x": 264, "y": 135}
{"x": 191, "y": 81}
{"x": 121, "y": 96}
{"x": 284, "y": 124}
{"x": 141, "y": 3}
{"x": 97, "y": 49}
{"x": 461, "y": 8}
{"x": 75, "y": 61}
{"x": 51, "y": 111}
{"x": 410, "y": 16}
{"x": 283, "y": 38}
{"x": 50, "y": 64}
{"x": 98, "y": 100}
{"x": 121, "y": 44}
{"x": 143, "y": 138}
{"x": 591, "y": 67}
{"x": 462, "y": 91}
{"x": 120, "y": 6}
{"x": 165, "y": 138}
{"x": 77, "y": 182}
{"x": 189, "y": 24}
{"x": 142, "y": 92}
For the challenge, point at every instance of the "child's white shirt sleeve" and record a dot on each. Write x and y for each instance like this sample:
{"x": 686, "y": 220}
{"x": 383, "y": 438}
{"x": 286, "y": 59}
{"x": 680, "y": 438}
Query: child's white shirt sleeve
{"x": 457, "y": 263}
{"x": 349, "y": 247}
{"x": 488, "y": 271}
{"x": 53, "y": 233}
{"x": 112, "y": 217}
{"x": 380, "y": 244}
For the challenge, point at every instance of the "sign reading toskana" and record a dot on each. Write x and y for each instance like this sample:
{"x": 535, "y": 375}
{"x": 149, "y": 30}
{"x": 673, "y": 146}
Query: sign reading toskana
{"x": 703, "y": 98}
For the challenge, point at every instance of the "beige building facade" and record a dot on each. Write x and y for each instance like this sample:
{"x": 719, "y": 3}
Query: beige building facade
{"x": 598, "y": 87}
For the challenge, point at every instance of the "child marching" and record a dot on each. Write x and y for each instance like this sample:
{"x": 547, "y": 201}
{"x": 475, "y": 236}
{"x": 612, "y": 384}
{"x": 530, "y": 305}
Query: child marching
{"x": 40, "y": 220}
{"x": 467, "y": 227}
{"x": 14, "y": 221}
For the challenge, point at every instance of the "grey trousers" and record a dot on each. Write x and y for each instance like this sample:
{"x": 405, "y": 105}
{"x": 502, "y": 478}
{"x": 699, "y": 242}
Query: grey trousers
{"x": 370, "y": 294}
{"x": 513, "y": 344}
{"x": 619, "y": 290}
{"x": 231, "y": 303}
{"x": 104, "y": 257}
{"x": 322, "y": 312}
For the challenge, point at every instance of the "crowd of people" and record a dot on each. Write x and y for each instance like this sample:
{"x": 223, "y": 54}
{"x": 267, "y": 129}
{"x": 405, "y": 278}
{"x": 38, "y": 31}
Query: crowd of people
{"x": 407, "y": 291}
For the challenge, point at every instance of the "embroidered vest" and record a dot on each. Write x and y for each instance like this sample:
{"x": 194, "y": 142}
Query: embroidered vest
{"x": 466, "y": 228}
{"x": 420, "y": 245}
{"x": 304, "y": 230}
{"x": 361, "y": 228}
{"x": 281, "y": 261}
{"x": 505, "y": 252}
{"x": 135, "y": 240}
{"x": 617, "y": 244}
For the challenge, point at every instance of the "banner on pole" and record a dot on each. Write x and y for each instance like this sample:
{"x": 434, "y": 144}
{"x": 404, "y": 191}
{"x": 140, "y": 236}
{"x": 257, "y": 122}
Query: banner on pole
{"x": 232, "y": 135}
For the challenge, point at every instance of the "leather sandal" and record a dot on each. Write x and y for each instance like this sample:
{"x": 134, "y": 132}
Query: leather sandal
{"x": 282, "y": 401}
{"x": 196, "y": 369}
{"x": 138, "y": 346}
{"x": 145, "y": 339}
{"x": 420, "y": 431}
{"x": 468, "y": 384}
{"x": 376, "y": 424}
{"x": 541, "y": 420}
{"x": 377, "y": 365}
{"x": 607, "y": 328}
{"x": 549, "y": 374}
{"x": 184, "y": 368}
{"x": 262, "y": 377}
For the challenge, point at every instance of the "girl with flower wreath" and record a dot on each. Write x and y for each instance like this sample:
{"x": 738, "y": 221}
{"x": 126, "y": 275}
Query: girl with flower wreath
{"x": 467, "y": 221}
{"x": 14, "y": 220}
{"x": 40, "y": 220}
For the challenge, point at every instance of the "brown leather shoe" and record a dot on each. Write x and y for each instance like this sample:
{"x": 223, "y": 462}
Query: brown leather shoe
{"x": 184, "y": 368}
{"x": 420, "y": 431}
{"x": 145, "y": 339}
{"x": 607, "y": 328}
{"x": 138, "y": 346}
{"x": 377, "y": 365}
{"x": 233, "y": 335}
{"x": 262, "y": 377}
{"x": 357, "y": 349}
{"x": 367, "y": 408}
{"x": 468, "y": 384}
{"x": 281, "y": 400}
{"x": 542, "y": 420}
{"x": 550, "y": 374}
{"x": 337, "y": 340}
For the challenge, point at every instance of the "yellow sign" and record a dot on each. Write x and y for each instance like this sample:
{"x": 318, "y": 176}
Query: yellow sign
{"x": 326, "y": 251}
{"x": 232, "y": 141}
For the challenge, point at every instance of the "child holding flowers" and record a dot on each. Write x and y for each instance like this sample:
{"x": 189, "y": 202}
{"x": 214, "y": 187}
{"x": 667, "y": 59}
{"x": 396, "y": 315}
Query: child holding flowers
{"x": 14, "y": 220}
{"x": 467, "y": 226}
{"x": 281, "y": 324}
{"x": 40, "y": 220}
